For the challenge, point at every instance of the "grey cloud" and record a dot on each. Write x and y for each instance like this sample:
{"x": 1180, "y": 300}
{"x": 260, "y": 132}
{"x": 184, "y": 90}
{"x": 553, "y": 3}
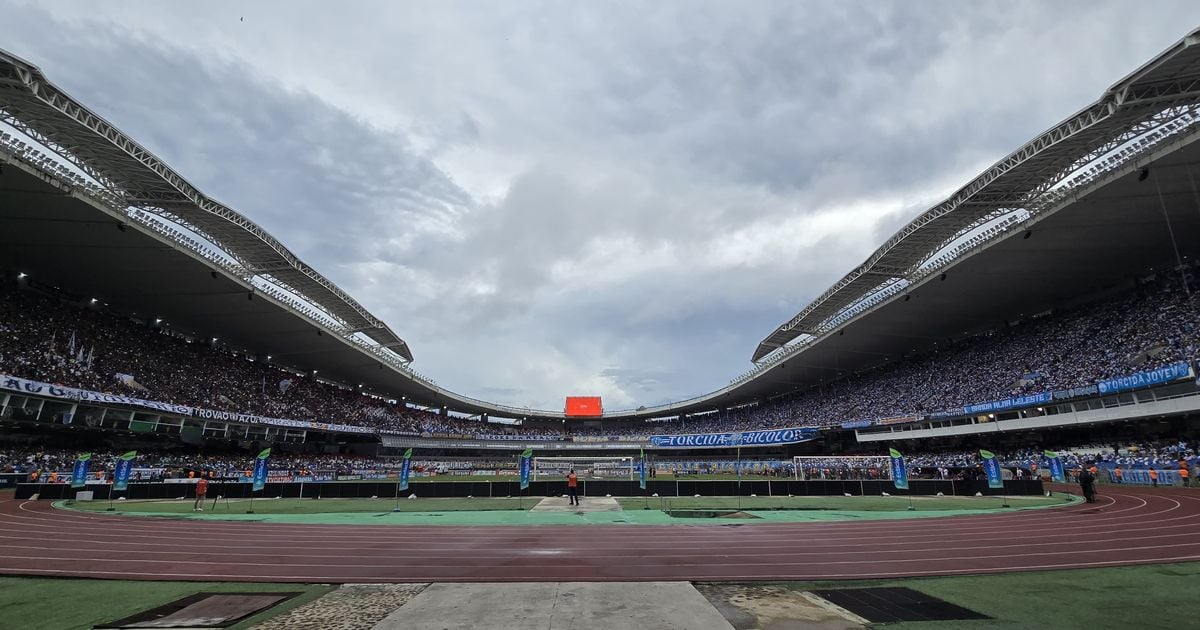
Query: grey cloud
{"x": 635, "y": 145}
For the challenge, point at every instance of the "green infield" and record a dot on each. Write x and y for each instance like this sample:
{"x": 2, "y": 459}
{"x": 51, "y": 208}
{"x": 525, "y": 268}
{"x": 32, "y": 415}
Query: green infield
{"x": 843, "y": 503}
{"x": 28, "y": 602}
{"x": 303, "y": 506}
{"x": 1149, "y": 596}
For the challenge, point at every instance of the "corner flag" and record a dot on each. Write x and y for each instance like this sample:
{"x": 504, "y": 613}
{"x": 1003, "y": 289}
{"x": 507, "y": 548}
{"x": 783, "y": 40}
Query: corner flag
{"x": 991, "y": 466}
{"x": 404, "y": 470}
{"x": 80, "y": 472}
{"x": 121, "y": 474}
{"x": 642, "y": 468}
{"x": 899, "y": 470}
{"x": 1057, "y": 474}
{"x": 260, "y": 470}
{"x": 526, "y": 460}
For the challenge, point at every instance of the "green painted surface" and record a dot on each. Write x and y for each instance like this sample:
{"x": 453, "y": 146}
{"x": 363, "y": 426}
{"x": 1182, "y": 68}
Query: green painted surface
{"x": 38, "y": 603}
{"x": 1150, "y": 596}
{"x": 505, "y": 512}
{"x": 843, "y": 503}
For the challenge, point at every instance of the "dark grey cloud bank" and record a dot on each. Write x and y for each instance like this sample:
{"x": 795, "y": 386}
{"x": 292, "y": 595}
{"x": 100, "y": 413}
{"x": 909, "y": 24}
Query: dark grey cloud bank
{"x": 551, "y": 199}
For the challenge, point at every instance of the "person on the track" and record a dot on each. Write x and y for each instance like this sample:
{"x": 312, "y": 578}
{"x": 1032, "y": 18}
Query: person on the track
{"x": 1087, "y": 482}
{"x": 201, "y": 490}
{"x": 1153, "y": 476}
{"x": 573, "y": 488}
{"x": 1118, "y": 474}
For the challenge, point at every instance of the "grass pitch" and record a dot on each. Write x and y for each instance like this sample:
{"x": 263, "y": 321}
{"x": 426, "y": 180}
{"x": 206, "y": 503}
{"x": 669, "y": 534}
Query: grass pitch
{"x": 1149, "y": 596}
{"x": 30, "y": 602}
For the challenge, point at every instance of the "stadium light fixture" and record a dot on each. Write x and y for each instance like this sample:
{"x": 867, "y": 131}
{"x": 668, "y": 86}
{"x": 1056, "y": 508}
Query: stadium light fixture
{"x": 268, "y": 357}
{"x": 94, "y": 300}
{"x": 157, "y": 320}
{"x": 22, "y": 275}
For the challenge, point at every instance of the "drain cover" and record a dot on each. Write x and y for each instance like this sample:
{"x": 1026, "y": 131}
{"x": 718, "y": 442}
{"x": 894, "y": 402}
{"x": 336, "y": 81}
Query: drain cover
{"x": 202, "y": 610}
{"x": 892, "y": 604}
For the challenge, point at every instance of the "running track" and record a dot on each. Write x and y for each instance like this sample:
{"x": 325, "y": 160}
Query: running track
{"x": 1127, "y": 526}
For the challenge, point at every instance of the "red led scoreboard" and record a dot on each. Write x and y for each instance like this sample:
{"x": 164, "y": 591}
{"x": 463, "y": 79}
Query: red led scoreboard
{"x": 584, "y": 407}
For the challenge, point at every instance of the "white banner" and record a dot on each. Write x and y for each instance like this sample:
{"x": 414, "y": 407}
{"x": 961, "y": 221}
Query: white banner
{"x": 38, "y": 388}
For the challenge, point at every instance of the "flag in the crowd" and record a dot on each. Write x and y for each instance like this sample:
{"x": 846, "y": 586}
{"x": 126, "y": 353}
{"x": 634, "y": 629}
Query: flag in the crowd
{"x": 90, "y": 356}
{"x": 404, "y": 468}
{"x": 121, "y": 475}
{"x": 899, "y": 470}
{"x": 526, "y": 462}
{"x": 79, "y": 474}
{"x": 128, "y": 381}
{"x": 642, "y": 468}
{"x": 1057, "y": 474}
{"x": 285, "y": 385}
{"x": 79, "y": 357}
{"x": 260, "y": 470}
{"x": 71, "y": 345}
{"x": 991, "y": 466}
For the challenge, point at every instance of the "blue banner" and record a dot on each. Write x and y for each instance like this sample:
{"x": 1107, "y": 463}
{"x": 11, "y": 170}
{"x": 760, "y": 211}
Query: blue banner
{"x": 260, "y": 472}
{"x": 526, "y": 461}
{"x": 1145, "y": 379}
{"x": 642, "y": 471}
{"x": 1009, "y": 403}
{"x": 404, "y": 470}
{"x": 1057, "y": 474}
{"x": 899, "y": 470}
{"x": 79, "y": 474}
{"x": 991, "y": 466}
{"x": 748, "y": 438}
{"x": 121, "y": 475}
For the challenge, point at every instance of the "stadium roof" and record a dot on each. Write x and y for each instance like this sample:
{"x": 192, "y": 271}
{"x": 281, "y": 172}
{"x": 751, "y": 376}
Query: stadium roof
{"x": 139, "y": 179}
{"x": 1024, "y": 180}
{"x": 1072, "y": 213}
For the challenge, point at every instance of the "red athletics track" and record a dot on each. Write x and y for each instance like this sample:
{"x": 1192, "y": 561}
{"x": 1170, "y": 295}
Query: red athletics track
{"x": 1128, "y": 526}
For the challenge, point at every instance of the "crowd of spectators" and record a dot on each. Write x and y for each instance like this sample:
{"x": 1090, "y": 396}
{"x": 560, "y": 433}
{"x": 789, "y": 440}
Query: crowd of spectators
{"x": 1155, "y": 325}
{"x": 46, "y": 338}
{"x": 156, "y": 464}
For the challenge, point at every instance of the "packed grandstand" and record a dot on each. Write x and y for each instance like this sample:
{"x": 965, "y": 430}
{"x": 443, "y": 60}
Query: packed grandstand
{"x": 46, "y": 338}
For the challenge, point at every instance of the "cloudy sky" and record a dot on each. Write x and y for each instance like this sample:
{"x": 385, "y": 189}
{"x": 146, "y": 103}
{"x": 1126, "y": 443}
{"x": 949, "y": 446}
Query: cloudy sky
{"x": 605, "y": 198}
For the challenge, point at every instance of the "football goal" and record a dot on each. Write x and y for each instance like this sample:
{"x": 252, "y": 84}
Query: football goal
{"x": 585, "y": 467}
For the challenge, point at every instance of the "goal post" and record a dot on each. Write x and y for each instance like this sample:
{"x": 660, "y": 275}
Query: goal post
{"x": 585, "y": 467}
{"x": 833, "y": 466}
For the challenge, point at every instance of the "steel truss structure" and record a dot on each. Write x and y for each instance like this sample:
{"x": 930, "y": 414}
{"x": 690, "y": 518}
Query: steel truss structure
{"x": 1156, "y": 104}
{"x": 139, "y": 184}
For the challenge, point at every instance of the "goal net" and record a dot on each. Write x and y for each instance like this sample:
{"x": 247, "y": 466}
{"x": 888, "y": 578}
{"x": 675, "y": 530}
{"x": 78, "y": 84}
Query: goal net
{"x": 809, "y": 467}
{"x": 585, "y": 467}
